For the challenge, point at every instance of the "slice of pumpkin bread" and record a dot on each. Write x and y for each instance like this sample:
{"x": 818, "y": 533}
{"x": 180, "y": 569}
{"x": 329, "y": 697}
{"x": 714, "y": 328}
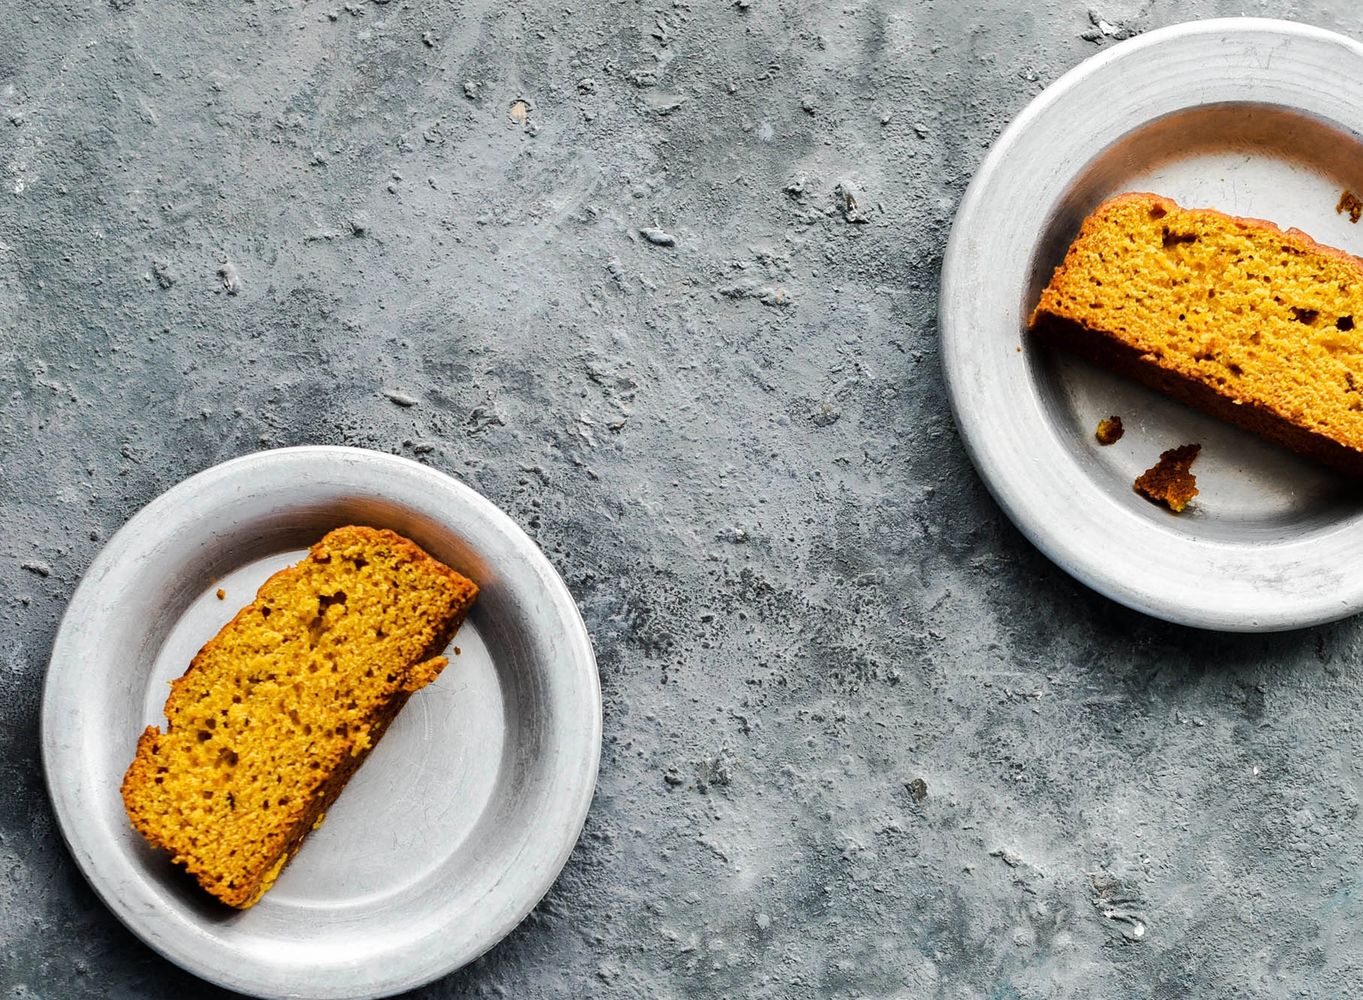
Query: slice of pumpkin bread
{"x": 1255, "y": 325}
{"x": 278, "y": 710}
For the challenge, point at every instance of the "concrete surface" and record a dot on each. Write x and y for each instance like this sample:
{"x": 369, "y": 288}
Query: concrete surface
{"x": 862, "y": 741}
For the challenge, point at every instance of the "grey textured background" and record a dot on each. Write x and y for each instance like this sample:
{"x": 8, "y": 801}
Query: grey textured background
{"x": 862, "y": 741}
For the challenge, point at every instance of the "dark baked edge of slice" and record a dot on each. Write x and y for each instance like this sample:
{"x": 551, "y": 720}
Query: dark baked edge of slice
{"x": 1110, "y": 352}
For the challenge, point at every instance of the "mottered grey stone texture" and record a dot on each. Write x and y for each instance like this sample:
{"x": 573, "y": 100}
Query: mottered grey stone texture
{"x": 659, "y": 278}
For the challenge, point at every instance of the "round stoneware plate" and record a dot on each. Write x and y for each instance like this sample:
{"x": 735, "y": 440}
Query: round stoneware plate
{"x": 1253, "y": 117}
{"x": 457, "y": 823}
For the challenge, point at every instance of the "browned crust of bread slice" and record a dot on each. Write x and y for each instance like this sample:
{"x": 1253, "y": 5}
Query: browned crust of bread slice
{"x": 1111, "y": 353}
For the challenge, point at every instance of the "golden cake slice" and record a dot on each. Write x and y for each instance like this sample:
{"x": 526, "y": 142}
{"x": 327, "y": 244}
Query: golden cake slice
{"x": 1253, "y": 324}
{"x": 277, "y": 711}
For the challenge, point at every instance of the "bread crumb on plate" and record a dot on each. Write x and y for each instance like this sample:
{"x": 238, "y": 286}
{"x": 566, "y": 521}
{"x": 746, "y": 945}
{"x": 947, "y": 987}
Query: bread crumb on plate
{"x": 1110, "y": 430}
{"x": 1170, "y": 481}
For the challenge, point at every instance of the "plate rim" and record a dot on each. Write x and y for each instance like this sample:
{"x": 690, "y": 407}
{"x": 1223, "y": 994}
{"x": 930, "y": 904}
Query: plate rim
{"x": 1095, "y": 572}
{"x": 577, "y": 643}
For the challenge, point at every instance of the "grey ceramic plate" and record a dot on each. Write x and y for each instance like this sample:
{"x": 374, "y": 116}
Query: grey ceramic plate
{"x": 1254, "y": 117}
{"x": 460, "y": 819}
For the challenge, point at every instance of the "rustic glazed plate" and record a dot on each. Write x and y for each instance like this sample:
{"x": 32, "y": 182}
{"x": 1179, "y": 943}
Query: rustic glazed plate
{"x": 458, "y": 822}
{"x": 1253, "y": 117}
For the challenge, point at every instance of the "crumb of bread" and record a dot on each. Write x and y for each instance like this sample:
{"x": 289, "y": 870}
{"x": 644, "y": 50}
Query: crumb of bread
{"x": 1110, "y": 430}
{"x": 1349, "y": 202}
{"x": 1170, "y": 481}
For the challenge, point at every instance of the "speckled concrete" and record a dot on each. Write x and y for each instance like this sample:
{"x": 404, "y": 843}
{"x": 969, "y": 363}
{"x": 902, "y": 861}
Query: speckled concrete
{"x": 659, "y": 279}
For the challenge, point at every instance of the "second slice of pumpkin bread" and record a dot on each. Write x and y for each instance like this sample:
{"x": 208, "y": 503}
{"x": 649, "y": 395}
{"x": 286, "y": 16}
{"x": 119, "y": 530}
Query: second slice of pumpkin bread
{"x": 1256, "y": 325}
{"x": 278, "y": 710}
